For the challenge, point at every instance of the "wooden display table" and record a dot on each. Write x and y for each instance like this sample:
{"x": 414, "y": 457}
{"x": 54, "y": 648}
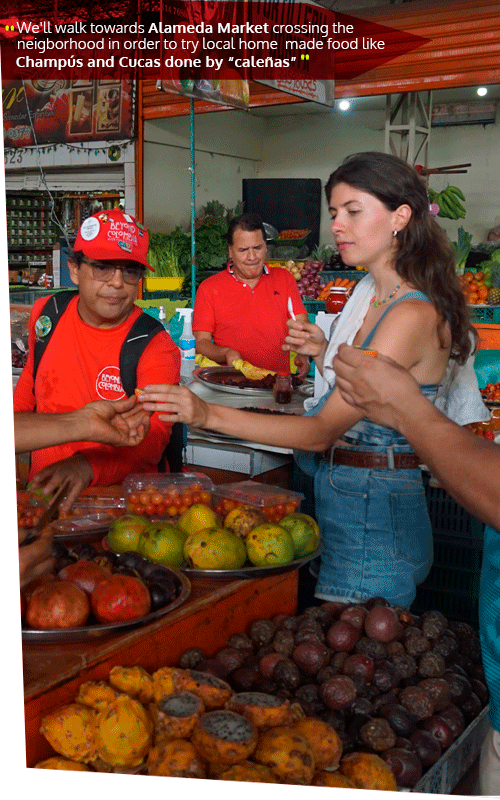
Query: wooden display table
{"x": 214, "y": 611}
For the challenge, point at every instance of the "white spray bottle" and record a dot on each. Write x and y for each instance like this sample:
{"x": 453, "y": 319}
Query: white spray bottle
{"x": 187, "y": 342}
{"x": 162, "y": 316}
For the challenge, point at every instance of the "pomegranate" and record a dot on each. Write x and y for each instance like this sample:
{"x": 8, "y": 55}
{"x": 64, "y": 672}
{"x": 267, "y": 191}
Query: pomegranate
{"x": 47, "y": 577}
{"x": 58, "y": 604}
{"x": 120, "y": 598}
{"x": 85, "y": 574}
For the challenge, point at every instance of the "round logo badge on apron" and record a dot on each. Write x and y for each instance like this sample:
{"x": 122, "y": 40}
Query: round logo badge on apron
{"x": 43, "y": 326}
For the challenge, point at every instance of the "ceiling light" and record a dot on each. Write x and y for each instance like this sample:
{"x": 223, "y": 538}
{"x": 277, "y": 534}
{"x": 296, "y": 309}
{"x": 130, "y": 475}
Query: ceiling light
{"x": 482, "y": 90}
{"x": 344, "y": 105}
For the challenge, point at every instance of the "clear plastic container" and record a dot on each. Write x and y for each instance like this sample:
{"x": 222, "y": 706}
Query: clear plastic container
{"x": 30, "y": 508}
{"x": 113, "y": 506}
{"x": 166, "y": 494}
{"x": 87, "y": 525}
{"x": 273, "y": 501}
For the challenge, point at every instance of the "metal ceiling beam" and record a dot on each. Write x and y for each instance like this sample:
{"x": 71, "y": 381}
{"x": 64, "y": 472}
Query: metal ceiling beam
{"x": 408, "y": 116}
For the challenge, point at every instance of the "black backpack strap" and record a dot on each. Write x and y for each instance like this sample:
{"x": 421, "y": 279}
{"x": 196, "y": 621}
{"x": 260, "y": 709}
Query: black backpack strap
{"x": 142, "y": 331}
{"x": 45, "y": 325}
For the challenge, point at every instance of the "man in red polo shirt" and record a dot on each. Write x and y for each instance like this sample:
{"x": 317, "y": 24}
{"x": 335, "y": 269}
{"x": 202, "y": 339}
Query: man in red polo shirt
{"x": 242, "y": 311}
{"x": 81, "y": 362}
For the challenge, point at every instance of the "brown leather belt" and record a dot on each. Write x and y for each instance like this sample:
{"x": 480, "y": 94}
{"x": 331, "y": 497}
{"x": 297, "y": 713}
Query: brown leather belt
{"x": 367, "y": 460}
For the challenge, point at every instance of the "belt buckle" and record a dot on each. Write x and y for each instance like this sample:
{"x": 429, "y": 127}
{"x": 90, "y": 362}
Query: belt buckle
{"x": 390, "y": 457}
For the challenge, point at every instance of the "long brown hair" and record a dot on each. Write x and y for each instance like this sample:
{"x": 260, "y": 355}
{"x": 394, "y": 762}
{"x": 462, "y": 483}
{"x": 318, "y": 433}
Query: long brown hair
{"x": 424, "y": 256}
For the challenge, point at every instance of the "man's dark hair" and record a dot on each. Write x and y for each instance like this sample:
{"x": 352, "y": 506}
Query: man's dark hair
{"x": 245, "y": 222}
{"x": 76, "y": 256}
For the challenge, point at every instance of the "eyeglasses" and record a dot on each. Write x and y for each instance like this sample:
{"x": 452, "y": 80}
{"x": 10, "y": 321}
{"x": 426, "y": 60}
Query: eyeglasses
{"x": 102, "y": 271}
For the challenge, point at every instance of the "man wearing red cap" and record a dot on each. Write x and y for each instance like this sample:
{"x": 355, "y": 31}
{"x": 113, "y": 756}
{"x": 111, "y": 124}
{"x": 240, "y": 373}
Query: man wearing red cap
{"x": 81, "y": 362}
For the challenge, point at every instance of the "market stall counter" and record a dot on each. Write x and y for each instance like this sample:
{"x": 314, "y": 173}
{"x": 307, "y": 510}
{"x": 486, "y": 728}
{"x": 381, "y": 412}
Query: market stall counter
{"x": 213, "y": 450}
{"x": 215, "y": 610}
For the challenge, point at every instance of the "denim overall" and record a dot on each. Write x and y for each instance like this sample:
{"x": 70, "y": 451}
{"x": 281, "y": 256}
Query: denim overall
{"x": 376, "y": 532}
{"x": 489, "y": 619}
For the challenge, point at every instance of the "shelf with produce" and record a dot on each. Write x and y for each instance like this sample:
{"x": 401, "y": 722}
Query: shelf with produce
{"x": 32, "y": 247}
{"x": 170, "y": 257}
{"x": 32, "y": 213}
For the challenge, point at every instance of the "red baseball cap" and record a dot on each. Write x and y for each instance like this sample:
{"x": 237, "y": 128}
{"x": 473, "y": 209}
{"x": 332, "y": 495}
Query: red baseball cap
{"x": 113, "y": 234}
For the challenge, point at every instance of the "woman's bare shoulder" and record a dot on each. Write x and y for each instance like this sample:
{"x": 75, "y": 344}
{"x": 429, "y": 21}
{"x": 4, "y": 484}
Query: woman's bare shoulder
{"x": 412, "y": 311}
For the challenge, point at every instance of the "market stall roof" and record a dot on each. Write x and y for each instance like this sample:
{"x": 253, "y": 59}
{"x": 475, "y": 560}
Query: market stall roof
{"x": 464, "y": 40}
{"x": 157, "y": 104}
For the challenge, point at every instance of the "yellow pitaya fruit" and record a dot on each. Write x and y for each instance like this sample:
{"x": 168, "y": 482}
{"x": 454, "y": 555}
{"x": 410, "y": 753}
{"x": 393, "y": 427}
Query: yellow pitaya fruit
{"x": 176, "y": 758}
{"x": 96, "y": 695}
{"x": 58, "y": 762}
{"x": 134, "y": 681}
{"x": 124, "y": 733}
{"x": 71, "y": 731}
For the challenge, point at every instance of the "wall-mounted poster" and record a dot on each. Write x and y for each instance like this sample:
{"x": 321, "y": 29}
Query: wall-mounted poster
{"x": 51, "y": 111}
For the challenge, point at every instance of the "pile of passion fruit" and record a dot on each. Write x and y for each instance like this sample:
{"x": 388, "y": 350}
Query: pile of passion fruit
{"x": 401, "y": 686}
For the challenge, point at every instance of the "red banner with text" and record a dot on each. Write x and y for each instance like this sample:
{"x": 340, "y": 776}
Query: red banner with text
{"x": 52, "y": 111}
{"x": 174, "y": 41}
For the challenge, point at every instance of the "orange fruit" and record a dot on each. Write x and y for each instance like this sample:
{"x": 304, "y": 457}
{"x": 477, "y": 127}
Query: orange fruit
{"x": 468, "y": 276}
{"x": 479, "y": 276}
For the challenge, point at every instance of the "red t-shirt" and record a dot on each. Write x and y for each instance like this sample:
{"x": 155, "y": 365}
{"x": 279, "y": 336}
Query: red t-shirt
{"x": 80, "y": 365}
{"x": 250, "y": 321}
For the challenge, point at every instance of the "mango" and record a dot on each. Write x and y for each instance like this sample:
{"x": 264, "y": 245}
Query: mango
{"x": 304, "y": 531}
{"x": 196, "y": 518}
{"x": 214, "y": 548}
{"x": 269, "y": 545}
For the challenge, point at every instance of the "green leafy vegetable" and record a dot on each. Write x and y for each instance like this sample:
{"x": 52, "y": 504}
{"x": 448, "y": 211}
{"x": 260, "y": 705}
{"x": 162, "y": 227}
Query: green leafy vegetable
{"x": 211, "y": 245}
{"x": 169, "y": 254}
{"x": 462, "y": 248}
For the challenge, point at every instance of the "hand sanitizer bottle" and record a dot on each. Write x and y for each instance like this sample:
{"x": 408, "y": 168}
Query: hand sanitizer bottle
{"x": 187, "y": 343}
{"x": 163, "y": 318}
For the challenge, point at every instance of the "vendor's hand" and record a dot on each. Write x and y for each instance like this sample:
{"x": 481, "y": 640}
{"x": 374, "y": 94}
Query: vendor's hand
{"x": 35, "y": 559}
{"x": 305, "y": 338}
{"x": 175, "y": 404}
{"x": 76, "y": 470}
{"x": 303, "y": 365}
{"x": 118, "y": 422}
{"x": 379, "y": 386}
{"x": 231, "y": 355}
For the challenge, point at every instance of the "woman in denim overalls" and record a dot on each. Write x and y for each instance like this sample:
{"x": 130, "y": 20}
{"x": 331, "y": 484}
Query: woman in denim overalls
{"x": 370, "y": 501}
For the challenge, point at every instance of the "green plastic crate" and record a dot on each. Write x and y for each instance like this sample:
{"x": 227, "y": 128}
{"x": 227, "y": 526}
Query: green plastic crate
{"x": 488, "y": 314}
{"x": 452, "y": 585}
{"x": 350, "y": 274}
{"x": 313, "y": 306}
{"x": 448, "y": 518}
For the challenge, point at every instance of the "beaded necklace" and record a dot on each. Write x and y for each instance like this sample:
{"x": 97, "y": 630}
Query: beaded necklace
{"x": 377, "y": 303}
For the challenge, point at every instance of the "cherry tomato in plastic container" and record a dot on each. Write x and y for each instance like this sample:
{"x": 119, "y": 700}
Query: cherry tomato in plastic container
{"x": 165, "y": 494}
